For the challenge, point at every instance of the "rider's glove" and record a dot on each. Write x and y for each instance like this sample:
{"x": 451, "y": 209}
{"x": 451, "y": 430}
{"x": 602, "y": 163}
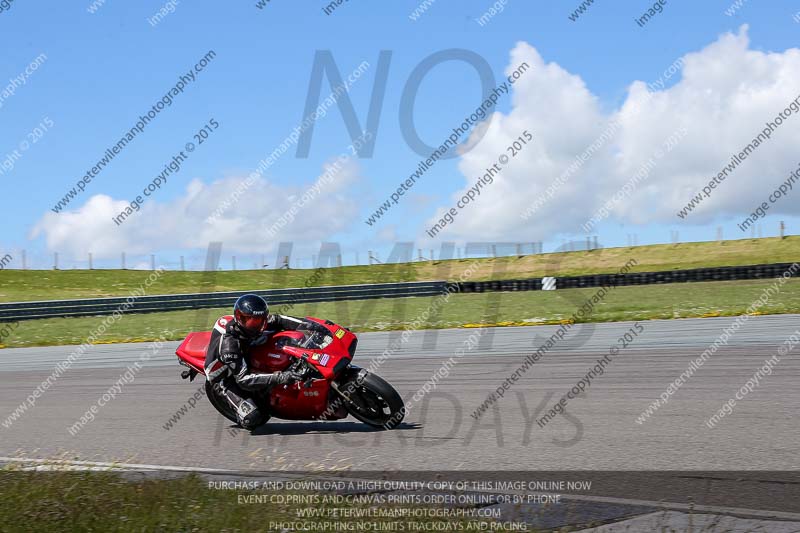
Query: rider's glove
{"x": 289, "y": 376}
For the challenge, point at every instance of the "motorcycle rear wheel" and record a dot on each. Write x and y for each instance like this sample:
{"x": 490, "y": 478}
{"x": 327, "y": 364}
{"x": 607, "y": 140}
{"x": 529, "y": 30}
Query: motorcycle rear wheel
{"x": 374, "y": 402}
{"x": 220, "y": 403}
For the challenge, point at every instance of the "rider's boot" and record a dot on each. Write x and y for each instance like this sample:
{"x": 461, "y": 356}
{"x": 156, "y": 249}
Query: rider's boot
{"x": 247, "y": 413}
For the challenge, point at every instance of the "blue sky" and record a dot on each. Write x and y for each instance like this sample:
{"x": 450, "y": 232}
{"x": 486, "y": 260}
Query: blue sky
{"x": 104, "y": 69}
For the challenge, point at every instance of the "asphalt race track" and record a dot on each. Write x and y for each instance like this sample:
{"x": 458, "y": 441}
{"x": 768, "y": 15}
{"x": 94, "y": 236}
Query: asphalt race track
{"x": 599, "y": 433}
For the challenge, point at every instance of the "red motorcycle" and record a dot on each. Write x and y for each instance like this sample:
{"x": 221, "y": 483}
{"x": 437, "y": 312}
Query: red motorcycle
{"x": 330, "y": 389}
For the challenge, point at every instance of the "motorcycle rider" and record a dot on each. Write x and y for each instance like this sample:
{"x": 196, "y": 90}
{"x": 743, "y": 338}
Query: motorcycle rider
{"x": 226, "y": 357}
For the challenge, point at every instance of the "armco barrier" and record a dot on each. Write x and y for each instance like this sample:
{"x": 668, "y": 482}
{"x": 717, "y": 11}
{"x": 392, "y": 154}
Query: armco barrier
{"x": 635, "y": 278}
{"x": 150, "y": 304}
{"x": 177, "y": 302}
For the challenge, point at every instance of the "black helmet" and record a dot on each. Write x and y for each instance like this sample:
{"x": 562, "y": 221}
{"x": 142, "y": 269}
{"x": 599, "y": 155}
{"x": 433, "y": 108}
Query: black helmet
{"x": 251, "y": 313}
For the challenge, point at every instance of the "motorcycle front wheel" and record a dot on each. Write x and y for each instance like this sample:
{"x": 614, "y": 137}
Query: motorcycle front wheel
{"x": 373, "y": 402}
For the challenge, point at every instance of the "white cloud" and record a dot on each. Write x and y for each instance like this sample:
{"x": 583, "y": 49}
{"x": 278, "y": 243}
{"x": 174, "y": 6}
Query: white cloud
{"x": 183, "y": 222}
{"x": 725, "y": 94}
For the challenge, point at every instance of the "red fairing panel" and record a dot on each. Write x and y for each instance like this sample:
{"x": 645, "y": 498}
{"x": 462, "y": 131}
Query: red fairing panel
{"x": 269, "y": 357}
{"x": 296, "y": 402}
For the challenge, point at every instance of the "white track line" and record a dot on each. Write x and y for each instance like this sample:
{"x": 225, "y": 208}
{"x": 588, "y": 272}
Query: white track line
{"x": 116, "y": 466}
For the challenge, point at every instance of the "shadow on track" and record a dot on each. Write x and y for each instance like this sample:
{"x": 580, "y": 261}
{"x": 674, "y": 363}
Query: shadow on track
{"x": 296, "y": 428}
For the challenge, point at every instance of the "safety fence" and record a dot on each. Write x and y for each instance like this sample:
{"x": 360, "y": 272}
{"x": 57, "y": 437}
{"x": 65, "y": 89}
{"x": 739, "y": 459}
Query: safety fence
{"x": 726, "y": 273}
{"x": 149, "y": 304}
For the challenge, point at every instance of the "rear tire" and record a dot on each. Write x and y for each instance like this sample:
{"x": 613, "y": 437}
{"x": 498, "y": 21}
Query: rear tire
{"x": 374, "y": 402}
{"x": 220, "y": 403}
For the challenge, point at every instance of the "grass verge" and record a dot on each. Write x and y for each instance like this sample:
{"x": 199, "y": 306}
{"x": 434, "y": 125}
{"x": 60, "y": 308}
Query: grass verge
{"x": 679, "y": 300}
{"x": 27, "y": 285}
{"x": 105, "y": 502}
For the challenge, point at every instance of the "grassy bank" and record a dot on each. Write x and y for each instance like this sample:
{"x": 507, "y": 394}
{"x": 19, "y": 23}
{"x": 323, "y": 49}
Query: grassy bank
{"x": 104, "y": 502}
{"x": 680, "y": 300}
{"x": 18, "y": 285}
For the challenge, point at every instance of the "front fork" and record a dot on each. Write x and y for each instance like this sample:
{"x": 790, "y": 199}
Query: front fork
{"x": 344, "y": 390}
{"x": 360, "y": 376}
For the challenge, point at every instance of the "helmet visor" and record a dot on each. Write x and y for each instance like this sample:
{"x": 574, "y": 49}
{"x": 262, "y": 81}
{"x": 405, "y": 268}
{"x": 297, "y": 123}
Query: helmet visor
{"x": 252, "y": 324}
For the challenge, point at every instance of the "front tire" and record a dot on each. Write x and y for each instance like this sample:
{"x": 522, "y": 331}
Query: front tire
{"x": 374, "y": 402}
